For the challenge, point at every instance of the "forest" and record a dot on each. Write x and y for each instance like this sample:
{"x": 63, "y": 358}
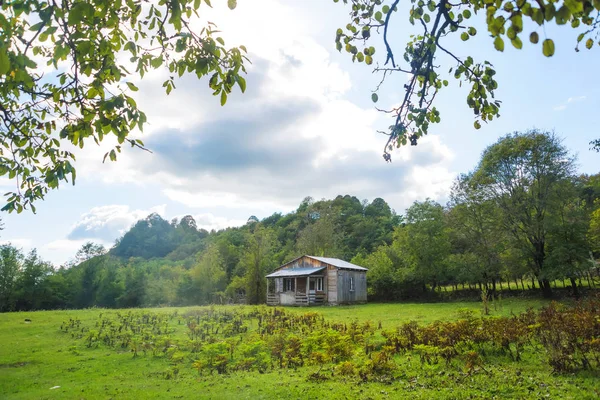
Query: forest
{"x": 523, "y": 215}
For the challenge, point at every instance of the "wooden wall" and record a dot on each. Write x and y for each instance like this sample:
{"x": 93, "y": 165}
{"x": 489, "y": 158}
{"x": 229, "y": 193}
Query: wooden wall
{"x": 359, "y": 294}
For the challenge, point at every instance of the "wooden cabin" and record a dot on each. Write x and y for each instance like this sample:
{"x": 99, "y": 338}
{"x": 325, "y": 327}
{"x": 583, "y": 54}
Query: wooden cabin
{"x": 310, "y": 280}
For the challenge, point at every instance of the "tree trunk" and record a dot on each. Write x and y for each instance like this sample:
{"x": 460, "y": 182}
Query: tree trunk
{"x": 546, "y": 289}
{"x": 574, "y": 286}
{"x": 539, "y": 258}
{"x": 522, "y": 284}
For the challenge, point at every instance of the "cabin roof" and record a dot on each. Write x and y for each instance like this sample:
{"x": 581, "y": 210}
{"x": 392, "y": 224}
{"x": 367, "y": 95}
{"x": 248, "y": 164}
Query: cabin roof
{"x": 336, "y": 262}
{"x": 294, "y": 272}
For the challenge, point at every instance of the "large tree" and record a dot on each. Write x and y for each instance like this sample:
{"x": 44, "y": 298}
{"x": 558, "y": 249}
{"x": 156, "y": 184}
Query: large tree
{"x": 64, "y": 78}
{"x": 11, "y": 260}
{"x": 209, "y": 275}
{"x": 523, "y": 174}
{"x": 424, "y": 243}
{"x": 256, "y": 261}
{"x": 476, "y": 223}
{"x": 426, "y": 54}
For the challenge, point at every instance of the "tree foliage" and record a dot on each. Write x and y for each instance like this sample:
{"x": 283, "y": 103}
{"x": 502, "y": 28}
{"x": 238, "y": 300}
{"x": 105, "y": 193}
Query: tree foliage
{"x": 437, "y": 23}
{"x": 67, "y": 71}
{"x": 523, "y": 174}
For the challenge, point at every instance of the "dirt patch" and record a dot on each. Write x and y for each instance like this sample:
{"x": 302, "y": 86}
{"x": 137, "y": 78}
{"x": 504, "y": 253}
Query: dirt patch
{"x": 16, "y": 364}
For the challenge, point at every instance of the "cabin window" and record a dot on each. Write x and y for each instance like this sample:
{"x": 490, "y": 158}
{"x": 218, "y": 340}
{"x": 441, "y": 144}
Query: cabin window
{"x": 288, "y": 284}
{"x": 352, "y": 284}
{"x": 271, "y": 286}
{"x": 316, "y": 284}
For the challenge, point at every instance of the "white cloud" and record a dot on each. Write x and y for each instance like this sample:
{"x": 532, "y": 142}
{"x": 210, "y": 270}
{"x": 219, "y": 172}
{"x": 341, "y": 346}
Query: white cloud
{"x": 107, "y": 223}
{"x": 209, "y": 222}
{"x": 22, "y": 243}
{"x": 570, "y": 100}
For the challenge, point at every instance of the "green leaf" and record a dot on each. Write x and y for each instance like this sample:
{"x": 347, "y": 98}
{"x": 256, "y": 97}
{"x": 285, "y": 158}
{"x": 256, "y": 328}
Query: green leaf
{"x": 464, "y": 36}
{"x": 589, "y": 43}
{"x": 534, "y": 37}
{"x": 242, "y": 83}
{"x": 368, "y": 60}
{"x": 548, "y": 47}
{"x": 574, "y": 6}
{"x": 37, "y": 26}
{"x": 76, "y": 14}
{"x": 132, "y": 86}
{"x": 549, "y": 12}
{"x": 499, "y": 43}
{"x": 374, "y": 97}
{"x": 4, "y": 61}
{"x": 563, "y": 15}
{"x": 477, "y": 125}
{"x": 232, "y": 4}
{"x": 517, "y": 43}
{"x": 223, "y": 97}
{"x": 467, "y": 14}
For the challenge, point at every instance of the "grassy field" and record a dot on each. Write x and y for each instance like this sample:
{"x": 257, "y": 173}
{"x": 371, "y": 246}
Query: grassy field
{"x": 36, "y": 357}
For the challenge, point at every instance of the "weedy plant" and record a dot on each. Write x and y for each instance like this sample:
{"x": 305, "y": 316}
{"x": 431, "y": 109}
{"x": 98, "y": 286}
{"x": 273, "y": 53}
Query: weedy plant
{"x": 262, "y": 339}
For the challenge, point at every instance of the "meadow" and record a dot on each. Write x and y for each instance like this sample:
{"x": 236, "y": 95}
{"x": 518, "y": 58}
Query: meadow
{"x": 241, "y": 352}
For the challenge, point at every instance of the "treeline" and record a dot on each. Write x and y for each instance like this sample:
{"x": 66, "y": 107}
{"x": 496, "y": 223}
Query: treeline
{"x": 159, "y": 262}
{"x": 523, "y": 213}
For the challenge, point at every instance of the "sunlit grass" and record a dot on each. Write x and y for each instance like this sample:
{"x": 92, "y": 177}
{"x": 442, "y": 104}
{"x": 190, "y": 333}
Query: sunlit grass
{"x": 36, "y": 356}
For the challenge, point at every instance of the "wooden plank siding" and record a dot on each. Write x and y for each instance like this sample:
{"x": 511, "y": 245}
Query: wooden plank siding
{"x": 359, "y": 292}
{"x": 332, "y": 287}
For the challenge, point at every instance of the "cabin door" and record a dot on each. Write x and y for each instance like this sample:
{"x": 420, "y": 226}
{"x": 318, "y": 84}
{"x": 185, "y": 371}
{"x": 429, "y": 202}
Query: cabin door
{"x": 311, "y": 286}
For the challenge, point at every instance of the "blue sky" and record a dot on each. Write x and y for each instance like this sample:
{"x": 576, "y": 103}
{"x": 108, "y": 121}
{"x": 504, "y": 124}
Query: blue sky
{"x": 305, "y": 127}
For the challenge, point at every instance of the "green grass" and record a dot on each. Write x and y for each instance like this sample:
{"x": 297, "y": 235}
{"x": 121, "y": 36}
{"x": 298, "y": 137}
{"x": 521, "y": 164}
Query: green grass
{"x": 37, "y": 356}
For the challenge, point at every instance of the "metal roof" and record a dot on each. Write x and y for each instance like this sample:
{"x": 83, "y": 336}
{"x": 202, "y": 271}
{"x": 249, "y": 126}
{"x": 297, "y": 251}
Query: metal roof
{"x": 336, "y": 262}
{"x": 294, "y": 272}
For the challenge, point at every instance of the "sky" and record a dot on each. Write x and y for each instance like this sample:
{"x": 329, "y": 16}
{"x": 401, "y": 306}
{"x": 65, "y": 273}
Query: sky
{"x": 306, "y": 126}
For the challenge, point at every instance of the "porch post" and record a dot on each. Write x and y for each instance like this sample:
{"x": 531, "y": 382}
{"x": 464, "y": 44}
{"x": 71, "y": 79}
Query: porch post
{"x": 308, "y": 289}
{"x": 295, "y": 285}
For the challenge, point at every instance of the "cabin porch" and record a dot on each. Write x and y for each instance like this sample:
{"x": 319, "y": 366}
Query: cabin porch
{"x": 296, "y": 290}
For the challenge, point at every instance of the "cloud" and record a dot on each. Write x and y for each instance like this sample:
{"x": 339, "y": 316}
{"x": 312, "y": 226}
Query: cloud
{"x": 293, "y": 133}
{"x": 570, "y": 100}
{"x": 107, "y": 223}
{"x": 209, "y": 222}
{"x": 21, "y": 243}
